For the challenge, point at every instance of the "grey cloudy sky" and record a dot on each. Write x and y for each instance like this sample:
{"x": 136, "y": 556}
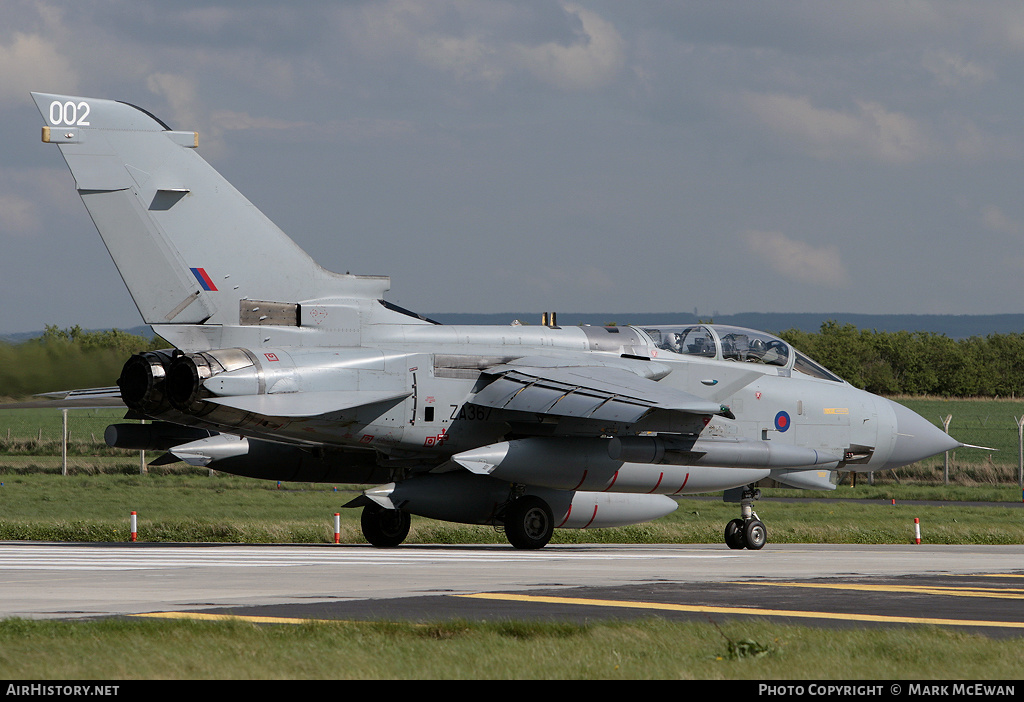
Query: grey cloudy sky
{"x": 605, "y": 156}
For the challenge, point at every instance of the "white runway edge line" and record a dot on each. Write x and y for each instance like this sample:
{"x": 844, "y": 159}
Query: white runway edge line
{"x": 17, "y": 557}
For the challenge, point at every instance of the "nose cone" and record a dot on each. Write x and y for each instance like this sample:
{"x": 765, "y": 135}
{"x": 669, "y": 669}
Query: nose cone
{"x": 916, "y": 438}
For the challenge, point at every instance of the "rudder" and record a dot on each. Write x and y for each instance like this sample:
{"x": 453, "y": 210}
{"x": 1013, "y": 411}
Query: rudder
{"x": 187, "y": 244}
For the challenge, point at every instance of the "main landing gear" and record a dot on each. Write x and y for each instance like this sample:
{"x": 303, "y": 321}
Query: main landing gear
{"x": 529, "y": 523}
{"x": 748, "y": 531}
{"x": 527, "y": 520}
{"x": 384, "y": 528}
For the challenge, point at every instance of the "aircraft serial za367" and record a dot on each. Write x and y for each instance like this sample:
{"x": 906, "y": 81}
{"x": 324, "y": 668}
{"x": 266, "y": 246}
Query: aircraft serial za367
{"x": 286, "y": 371}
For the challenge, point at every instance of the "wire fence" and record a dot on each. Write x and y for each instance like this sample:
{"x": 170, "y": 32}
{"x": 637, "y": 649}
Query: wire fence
{"x": 70, "y": 440}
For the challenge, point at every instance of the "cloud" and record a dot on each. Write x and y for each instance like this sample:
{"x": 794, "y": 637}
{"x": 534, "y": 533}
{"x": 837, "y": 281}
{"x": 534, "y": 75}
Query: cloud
{"x": 951, "y": 70}
{"x": 487, "y": 44}
{"x": 593, "y": 59}
{"x": 30, "y": 61}
{"x": 232, "y": 120}
{"x": 22, "y": 212}
{"x": 798, "y": 260}
{"x": 180, "y": 94}
{"x": 871, "y": 131}
{"x": 467, "y": 58}
{"x": 998, "y": 221}
{"x": 187, "y": 110}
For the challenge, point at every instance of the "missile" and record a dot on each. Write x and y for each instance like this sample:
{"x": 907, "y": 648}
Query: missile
{"x": 570, "y": 455}
{"x": 567, "y": 463}
{"x": 267, "y": 460}
{"x": 213, "y": 448}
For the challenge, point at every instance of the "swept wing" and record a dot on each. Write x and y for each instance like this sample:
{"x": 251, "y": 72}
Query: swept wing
{"x": 595, "y": 392}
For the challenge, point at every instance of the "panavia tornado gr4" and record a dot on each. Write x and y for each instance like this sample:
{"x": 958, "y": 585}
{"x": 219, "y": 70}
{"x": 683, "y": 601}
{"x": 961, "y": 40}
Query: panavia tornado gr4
{"x": 286, "y": 371}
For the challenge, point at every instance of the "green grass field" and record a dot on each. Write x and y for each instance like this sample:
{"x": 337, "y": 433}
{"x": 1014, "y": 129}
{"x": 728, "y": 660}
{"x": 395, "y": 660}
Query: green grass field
{"x": 86, "y": 425}
{"x": 223, "y": 508}
{"x": 650, "y": 649}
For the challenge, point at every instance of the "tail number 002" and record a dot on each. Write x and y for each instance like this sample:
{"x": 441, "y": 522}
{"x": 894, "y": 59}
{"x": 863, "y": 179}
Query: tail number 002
{"x": 69, "y": 113}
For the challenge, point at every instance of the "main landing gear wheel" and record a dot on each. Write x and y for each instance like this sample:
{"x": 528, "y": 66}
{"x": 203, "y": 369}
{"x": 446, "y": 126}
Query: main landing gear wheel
{"x": 748, "y": 531}
{"x": 384, "y": 528}
{"x": 734, "y": 534}
{"x": 755, "y": 535}
{"x": 752, "y": 534}
{"x": 529, "y": 523}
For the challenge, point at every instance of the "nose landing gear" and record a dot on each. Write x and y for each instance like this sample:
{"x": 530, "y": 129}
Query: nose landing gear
{"x": 748, "y": 531}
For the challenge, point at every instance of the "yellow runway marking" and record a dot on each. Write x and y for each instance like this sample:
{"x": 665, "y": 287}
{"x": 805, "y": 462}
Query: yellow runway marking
{"x": 1001, "y": 575}
{"x": 993, "y": 592}
{"x": 702, "y": 609}
{"x": 230, "y": 617}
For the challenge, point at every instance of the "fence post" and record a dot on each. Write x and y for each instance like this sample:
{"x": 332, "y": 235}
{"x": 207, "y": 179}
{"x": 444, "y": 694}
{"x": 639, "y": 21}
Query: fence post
{"x": 1020, "y": 451}
{"x": 142, "y": 458}
{"x": 64, "y": 441}
{"x": 945, "y": 466}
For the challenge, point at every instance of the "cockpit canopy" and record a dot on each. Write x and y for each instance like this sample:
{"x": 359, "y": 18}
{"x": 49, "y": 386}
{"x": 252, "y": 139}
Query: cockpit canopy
{"x": 735, "y": 344}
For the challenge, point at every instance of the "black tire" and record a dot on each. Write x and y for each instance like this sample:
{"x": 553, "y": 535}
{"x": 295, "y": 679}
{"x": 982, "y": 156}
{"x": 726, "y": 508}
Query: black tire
{"x": 755, "y": 535}
{"x": 529, "y": 523}
{"x": 384, "y": 528}
{"x": 734, "y": 534}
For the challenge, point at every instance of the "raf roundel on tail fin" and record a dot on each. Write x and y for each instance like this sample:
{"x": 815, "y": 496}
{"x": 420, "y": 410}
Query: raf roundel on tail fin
{"x": 188, "y": 246}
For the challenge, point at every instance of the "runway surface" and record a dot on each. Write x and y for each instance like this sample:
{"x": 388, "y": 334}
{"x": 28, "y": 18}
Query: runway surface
{"x": 971, "y": 587}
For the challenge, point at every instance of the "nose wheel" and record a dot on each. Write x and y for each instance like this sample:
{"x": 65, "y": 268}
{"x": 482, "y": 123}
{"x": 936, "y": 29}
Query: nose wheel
{"x": 748, "y": 531}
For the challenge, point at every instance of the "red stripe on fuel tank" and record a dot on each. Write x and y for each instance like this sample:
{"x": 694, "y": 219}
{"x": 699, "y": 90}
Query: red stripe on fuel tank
{"x": 614, "y": 478}
{"x": 660, "y": 476}
{"x": 685, "y": 480}
{"x": 566, "y": 516}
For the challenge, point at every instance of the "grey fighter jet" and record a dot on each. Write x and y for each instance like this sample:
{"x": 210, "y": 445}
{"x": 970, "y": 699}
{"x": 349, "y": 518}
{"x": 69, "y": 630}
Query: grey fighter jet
{"x": 286, "y": 371}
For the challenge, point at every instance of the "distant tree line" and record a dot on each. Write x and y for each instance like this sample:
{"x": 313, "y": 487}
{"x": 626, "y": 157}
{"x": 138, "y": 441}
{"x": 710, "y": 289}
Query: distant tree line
{"x": 68, "y": 359}
{"x": 917, "y": 363}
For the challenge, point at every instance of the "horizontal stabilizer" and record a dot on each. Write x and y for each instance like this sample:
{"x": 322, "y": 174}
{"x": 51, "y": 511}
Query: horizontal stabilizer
{"x": 307, "y": 404}
{"x": 72, "y": 399}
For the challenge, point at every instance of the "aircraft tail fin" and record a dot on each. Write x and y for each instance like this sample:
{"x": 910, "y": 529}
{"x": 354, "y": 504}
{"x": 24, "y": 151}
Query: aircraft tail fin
{"x": 188, "y": 246}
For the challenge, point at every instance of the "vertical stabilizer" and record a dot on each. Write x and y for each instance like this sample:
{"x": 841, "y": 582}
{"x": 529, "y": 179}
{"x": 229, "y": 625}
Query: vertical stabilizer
{"x": 186, "y": 243}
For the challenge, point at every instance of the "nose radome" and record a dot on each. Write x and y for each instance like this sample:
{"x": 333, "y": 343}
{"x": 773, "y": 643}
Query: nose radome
{"x": 916, "y": 438}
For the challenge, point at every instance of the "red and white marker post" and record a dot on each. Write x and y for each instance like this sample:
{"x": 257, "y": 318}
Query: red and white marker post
{"x": 337, "y": 527}
{"x": 917, "y": 530}
{"x": 135, "y": 527}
